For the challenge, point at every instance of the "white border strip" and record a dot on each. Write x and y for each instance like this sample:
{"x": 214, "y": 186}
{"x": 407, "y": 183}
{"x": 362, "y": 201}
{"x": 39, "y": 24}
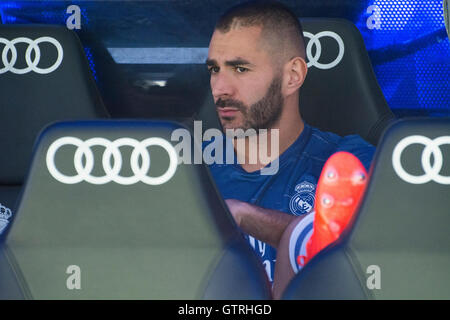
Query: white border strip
{"x": 303, "y": 224}
{"x": 159, "y": 55}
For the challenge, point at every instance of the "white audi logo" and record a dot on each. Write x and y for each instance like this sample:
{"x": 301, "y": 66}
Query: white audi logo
{"x": 313, "y": 60}
{"x": 431, "y": 147}
{"x": 32, "y": 65}
{"x": 112, "y": 150}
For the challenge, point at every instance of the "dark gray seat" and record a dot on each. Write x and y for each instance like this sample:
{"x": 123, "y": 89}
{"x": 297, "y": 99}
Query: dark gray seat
{"x": 340, "y": 94}
{"x": 175, "y": 240}
{"x": 58, "y": 85}
{"x": 402, "y": 226}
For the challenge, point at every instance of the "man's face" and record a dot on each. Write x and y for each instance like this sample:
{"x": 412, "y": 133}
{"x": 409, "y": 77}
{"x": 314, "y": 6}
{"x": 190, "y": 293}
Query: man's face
{"x": 245, "y": 86}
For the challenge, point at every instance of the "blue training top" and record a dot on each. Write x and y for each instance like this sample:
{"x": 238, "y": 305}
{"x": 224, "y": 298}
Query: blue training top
{"x": 292, "y": 188}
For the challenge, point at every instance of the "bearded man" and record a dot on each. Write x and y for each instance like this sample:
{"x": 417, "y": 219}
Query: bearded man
{"x": 257, "y": 64}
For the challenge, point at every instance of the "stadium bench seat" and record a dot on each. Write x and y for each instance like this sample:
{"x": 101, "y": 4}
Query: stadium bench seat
{"x": 171, "y": 238}
{"x": 46, "y": 77}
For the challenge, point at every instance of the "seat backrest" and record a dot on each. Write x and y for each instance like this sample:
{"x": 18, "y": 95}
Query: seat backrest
{"x": 340, "y": 93}
{"x": 132, "y": 236}
{"x": 401, "y": 235}
{"x": 44, "y": 77}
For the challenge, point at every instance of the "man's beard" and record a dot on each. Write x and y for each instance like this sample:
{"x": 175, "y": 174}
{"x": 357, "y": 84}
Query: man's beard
{"x": 263, "y": 114}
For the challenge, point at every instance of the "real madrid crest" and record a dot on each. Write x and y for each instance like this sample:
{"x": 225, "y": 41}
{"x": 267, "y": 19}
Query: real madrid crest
{"x": 302, "y": 201}
{"x": 5, "y": 214}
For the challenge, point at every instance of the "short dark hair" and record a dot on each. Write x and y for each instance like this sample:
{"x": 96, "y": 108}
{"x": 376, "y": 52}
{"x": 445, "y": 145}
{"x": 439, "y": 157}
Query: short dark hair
{"x": 278, "y": 23}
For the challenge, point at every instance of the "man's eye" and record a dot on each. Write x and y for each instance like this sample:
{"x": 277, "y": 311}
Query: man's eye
{"x": 213, "y": 69}
{"x": 241, "y": 69}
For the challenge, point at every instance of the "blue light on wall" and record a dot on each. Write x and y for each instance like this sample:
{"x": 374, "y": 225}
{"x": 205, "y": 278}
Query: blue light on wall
{"x": 4, "y": 6}
{"x": 9, "y": 19}
{"x": 44, "y": 11}
{"x": 410, "y": 53}
{"x": 49, "y": 12}
{"x": 409, "y": 49}
{"x": 90, "y": 58}
{"x": 9, "y": 4}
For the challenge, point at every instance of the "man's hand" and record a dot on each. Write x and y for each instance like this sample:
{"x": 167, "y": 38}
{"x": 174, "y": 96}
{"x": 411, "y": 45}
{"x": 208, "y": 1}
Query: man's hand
{"x": 264, "y": 224}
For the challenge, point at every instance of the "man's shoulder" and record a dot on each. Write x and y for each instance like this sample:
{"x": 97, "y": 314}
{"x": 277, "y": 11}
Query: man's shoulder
{"x": 356, "y": 145}
{"x": 328, "y": 143}
{"x": 321, "y": 144}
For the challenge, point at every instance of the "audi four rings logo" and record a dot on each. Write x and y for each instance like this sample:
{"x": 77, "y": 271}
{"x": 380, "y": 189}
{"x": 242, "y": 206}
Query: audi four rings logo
{"x": 313, "y": 60}
{"x": 431, "y": 171}
{"x": 112, "y": 150}
{"x": 32, "y": 65}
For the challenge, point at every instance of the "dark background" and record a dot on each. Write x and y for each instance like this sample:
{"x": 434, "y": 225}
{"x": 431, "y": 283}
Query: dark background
{"x": 410, "y": 51}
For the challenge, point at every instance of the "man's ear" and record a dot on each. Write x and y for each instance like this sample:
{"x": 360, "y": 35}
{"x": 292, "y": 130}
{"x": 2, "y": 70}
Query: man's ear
{"x": 295, "y": 71}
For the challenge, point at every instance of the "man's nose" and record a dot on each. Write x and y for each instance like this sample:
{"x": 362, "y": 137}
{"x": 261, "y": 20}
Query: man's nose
{"x": 221, "y": 86}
